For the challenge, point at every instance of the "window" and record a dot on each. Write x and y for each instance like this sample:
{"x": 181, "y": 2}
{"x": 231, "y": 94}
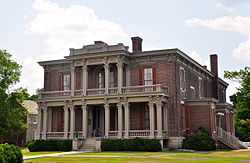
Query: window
{"x": 66, "y": 82}
{"x": 146, "y": 115}
{"x": 101, "y": 80}
{"x": 111, "y": 79}
{"x": 34, "y": 120}
{"x": 148, "y": 76}
{"x": 33, "y": 136}
{"x": 182, "y": 79}
{"x": 200, "y": 87}
{"x": 192, "y": 92}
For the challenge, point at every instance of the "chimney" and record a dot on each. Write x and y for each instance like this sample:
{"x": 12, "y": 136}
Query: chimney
{"x": 136, "y": 44}
{"x": 204, "y": 66}
{"x": 214, "y": 70}
{"x": 214, "y": 64}
{"x": 98, "y": 42}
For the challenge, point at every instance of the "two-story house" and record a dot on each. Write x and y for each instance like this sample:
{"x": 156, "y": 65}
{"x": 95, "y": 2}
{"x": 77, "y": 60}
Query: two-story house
{"x": 105, "y": 91}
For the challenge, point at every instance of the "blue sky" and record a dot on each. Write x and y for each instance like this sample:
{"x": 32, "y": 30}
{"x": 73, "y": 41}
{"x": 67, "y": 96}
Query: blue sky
{"x": 36, "y": 30}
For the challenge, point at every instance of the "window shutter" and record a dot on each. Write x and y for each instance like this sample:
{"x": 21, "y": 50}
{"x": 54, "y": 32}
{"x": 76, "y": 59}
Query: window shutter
{"x": 141, "y": 76}
{"x": 154, "y": 75}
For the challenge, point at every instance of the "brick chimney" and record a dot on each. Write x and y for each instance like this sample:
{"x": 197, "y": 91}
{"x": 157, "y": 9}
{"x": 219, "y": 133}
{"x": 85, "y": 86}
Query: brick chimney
{"x": 214, "y": 64}
{"x": 214, "y": 70}
{"x": 136, "y": 44}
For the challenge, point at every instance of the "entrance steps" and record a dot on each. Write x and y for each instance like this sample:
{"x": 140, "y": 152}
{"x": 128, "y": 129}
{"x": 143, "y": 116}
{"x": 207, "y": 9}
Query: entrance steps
{"x": 89, "y": 144}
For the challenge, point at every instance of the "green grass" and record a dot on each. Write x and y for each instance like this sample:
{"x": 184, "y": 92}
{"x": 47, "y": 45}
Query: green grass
{"x": 26, "y": 152}
{"x": 171, "y": 156}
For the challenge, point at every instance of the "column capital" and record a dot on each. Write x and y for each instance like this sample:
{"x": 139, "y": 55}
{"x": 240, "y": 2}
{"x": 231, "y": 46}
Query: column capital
{"x": 119, "y": 64}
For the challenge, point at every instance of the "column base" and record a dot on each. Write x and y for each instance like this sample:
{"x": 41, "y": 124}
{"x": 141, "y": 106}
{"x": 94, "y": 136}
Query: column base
{"x": 175, "y": 142}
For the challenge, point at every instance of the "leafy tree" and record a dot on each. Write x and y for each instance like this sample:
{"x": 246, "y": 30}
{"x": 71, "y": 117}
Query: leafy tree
{"x": 241, "y": 100}
{"x": 10, "y": 71}
{"x": 12, "y": 113}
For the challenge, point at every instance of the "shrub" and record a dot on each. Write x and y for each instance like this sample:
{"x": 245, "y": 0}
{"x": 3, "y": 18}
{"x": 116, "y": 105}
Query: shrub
{"x": 200, "y": 140}
{"x": 49, "y": 145}
{"x": 137, "y": 144}
{"x": 10, "y": 154}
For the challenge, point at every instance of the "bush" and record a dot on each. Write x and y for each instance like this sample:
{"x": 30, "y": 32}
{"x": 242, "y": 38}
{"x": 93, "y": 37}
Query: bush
{"x": 200, "y": 140}
{"x": 49, "y": 145}
{"x": 137, "y": 144}
{"x": 10, "y": 154}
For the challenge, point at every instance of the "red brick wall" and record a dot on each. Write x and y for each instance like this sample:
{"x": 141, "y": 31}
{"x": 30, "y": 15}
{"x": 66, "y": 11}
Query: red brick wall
{"x": 57, "y": 119}
{"x": 137, "y": 116}
{"x": 200, "y": 116}
{"x": 78, "y": 78}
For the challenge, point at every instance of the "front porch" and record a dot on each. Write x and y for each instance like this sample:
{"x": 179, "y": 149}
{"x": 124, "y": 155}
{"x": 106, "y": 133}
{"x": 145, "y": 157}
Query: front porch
{"x": 113, "y": 120}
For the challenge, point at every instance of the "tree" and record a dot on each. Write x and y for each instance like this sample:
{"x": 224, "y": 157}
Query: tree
{"x": 12, "y": 113}
{"x": 241, "y": 101}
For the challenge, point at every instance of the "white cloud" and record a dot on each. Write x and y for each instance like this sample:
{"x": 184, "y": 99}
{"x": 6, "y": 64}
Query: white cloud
{"x": 236, "y": 24}
{"x": 64, "y": 28}
{"x": 194, "y": 55}
{"x": 220, "y": 5}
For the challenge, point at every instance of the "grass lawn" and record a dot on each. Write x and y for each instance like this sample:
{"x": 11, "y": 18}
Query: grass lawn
{"x": 26, "y": 152}
{"x": 172, "y": 156}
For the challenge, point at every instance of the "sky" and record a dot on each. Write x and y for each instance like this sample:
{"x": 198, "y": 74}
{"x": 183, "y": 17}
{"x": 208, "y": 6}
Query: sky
{"x": 39, "y": 30}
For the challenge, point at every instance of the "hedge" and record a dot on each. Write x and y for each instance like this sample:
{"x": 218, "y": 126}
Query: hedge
{"x": 200, "y": 140}
{"x": 49, "y": 145}
{"x": 136, "y": 144}
{"x": 10, "y": 154}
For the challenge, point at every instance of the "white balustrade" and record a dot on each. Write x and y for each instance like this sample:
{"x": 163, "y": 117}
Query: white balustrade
{"x": 139, "y": 133}
{"x": 54, "y": 135}
{"x": 113, "y": 134}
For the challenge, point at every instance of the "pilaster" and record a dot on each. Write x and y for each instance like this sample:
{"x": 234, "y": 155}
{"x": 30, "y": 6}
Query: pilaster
{"x": 39, "y": 122}
{"x": 84, "y": 78}
{"x": 120, "y": 75}
{"x": 106, "y": 67}
{"x": 106, "y": 108}
{"x": 72, "y": 78}
{"x": 159, "y": 119}
{"x": 66, "y": 121}
{"x": 151, "y": 118}
{"x": 127, "y": 119}
{"x": 72, "y": 120}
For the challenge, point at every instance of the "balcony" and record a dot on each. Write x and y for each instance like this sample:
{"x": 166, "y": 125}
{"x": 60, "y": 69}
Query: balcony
{"x": 158, "y": 88}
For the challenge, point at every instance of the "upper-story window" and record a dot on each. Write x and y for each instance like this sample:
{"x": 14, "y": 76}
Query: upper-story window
{"x": 200, "y": 87}
{"x": 66, "y": 82}
{"x": 111, "y": 79}
{"x": 34, "y": 120}
{"x": 148, "y": 76}
{"x": 182, "y": 79}
{"x": 101, "y": 80}
{"x": 192, "y": 92}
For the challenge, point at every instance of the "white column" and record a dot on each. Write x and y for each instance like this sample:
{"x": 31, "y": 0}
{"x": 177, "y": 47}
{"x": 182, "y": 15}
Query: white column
{"x": 84, "y": 120}
{"x": 39, "y": 123}
{"x": 151, "y": 119}
{"x": 84, "y": 79}
{"x": 159, "y": 119}
{"x": 106, "y": 67}
{"x": 66, "y": 122}
{"x": 127, "y": 119}
{"x": 72, "y": 81}
{"x": 45, "y": 110}
{"x": 120, "y": 76}
{"x": 119, "y": 107}
{"x": 72, "y": 121}
{"x": 107, "y": 120}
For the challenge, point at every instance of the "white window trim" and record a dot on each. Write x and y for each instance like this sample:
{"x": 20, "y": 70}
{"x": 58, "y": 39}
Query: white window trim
{"x": 200, "y": 87}
{"x": 192, "y": 88}
{"x": 181, "y": 68}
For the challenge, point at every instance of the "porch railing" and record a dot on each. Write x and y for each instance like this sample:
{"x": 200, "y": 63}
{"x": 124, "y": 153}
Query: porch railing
{"x": 54, "y": 135}
{"x": 139, "y": 133}
{"x": 228, "y": 139}
{"x": 113, "y": 134}
{"x": 94, "y": 92}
